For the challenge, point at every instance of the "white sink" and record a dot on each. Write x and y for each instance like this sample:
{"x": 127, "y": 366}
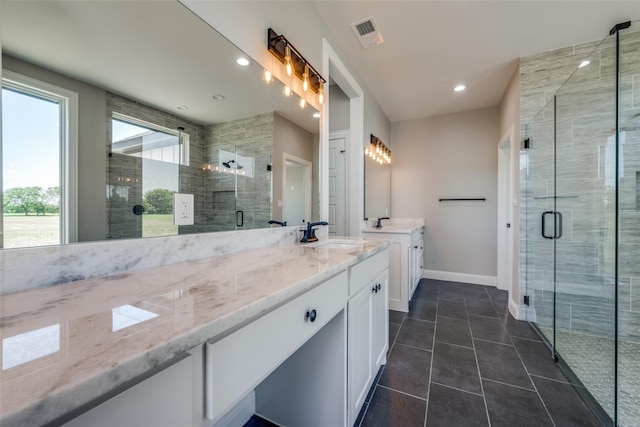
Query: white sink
{"x": 338, "y": 244}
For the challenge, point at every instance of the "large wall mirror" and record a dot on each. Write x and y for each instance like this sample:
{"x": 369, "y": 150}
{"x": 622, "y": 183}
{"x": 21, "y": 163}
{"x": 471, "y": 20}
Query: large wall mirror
{"x": 377, "y": 188}
{"x": 109, "y": 108}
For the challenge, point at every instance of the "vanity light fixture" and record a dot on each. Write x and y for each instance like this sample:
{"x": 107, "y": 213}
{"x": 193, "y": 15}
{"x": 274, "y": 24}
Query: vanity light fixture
{"x": 321, "y": 93}
{"x": 295, "y": 64}
{"x": 287, "y": 61}
{"x": 305, "y": 79}
{"x": 378, "y": 151}
{"x": 459, "y": 88}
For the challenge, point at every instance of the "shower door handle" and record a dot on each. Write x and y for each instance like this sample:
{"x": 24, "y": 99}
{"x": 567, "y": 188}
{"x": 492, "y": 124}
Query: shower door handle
{"x": 239, "y": 218}
{"x": 557, "y": 218}
{"x": 544, "y": 214}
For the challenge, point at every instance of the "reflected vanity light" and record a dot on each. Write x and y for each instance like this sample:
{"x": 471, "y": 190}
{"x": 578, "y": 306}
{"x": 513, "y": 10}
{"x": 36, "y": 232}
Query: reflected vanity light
{"x": 316, "y": 115}
{"x": 268, "y": 77}
{"x": 302, "y": 103}
{"x": 584, "y": 63}
{"x": 377, "y": 151}
{"x": 287, "y": 91}
{"x": 295, "y": 64}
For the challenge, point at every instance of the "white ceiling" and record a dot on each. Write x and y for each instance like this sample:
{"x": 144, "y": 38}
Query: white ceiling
{"x": 431, "y": 46}
{"x": 156, "y": 52}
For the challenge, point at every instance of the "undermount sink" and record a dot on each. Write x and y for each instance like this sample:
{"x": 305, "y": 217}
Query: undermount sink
{"x": 338, "y": 244}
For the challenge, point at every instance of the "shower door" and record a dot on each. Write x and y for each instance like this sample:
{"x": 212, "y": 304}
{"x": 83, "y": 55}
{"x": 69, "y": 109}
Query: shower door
{"x": 585, "y": 204}
{"x": 571, "y": 225}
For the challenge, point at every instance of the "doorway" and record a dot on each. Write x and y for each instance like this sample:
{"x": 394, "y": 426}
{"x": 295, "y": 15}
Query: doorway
{"x": 506, "y": 202}
{"x": 296, "y": 191}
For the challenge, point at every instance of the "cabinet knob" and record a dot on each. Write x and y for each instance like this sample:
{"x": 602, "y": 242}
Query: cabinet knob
{"x": 311, "y": 315}
{"x": 415, "y": 247}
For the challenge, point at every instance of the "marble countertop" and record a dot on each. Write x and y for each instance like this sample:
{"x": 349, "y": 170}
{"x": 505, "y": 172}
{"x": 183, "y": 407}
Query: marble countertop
{"x": 65, "y": 345}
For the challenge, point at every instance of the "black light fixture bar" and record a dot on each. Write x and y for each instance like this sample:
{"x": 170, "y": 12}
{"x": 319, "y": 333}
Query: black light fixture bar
{"x": 277, "y": 44}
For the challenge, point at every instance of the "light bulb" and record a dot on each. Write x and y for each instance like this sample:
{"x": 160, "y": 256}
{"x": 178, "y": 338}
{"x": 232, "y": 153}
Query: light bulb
{"x": 366, "y": 151}
{"x": 302, "y": 103}
{"x": 287, "y": 91}
{"x": 305, "y": 79}
{"x": 320, "y": 94}
{"x": 267, "y": 76}
{"x": 287, "y": 61}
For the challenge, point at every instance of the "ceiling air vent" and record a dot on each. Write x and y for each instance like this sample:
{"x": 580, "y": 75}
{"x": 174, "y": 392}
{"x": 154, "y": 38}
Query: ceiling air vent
{"x": 367, "y": 32}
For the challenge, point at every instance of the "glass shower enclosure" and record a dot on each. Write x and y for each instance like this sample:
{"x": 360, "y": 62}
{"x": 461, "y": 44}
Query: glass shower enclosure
{"x": 581, "y": 209}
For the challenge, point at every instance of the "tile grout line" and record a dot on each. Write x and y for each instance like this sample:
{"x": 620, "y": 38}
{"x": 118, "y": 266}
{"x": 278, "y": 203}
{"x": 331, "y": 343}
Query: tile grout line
{"x": 532, "y": 382}
{"x": 475, "y": 355}
{"x": 401, "y": 392}
{"x": 458, "y": 389}
{"x": 433, "y": 350}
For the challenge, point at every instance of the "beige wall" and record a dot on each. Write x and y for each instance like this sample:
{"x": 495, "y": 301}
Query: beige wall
{"x": 92, "y": 135}
{"x": 510, "y": 126}
{"x": 291, "y": 139}
{"x": 450, "y": 156}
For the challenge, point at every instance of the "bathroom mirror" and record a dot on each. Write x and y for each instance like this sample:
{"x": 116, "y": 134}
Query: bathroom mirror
{"x": 377, "y": 189}
{"x": 162, "y": 107}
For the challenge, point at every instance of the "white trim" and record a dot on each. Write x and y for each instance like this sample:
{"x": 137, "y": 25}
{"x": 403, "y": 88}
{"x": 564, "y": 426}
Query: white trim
{"x": 307, "y": 184}
{"x": 515, "y": 310}
{"x": 459, "y": 277}
{"x": 506, "y": 199}
{"x": 333, "y": 67}
{"x": 68, "y": 150}
{"x": 240, "y": 413}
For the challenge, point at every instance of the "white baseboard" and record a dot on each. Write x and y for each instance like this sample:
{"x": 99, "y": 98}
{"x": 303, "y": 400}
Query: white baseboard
{"x": 514, "y": 309}
{"x": 240, "y": 413}
{"x": 459, "y": 277}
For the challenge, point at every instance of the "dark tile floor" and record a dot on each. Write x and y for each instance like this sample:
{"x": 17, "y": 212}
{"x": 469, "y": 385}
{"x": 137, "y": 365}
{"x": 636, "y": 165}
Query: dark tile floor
{"x": 459, "y": 359}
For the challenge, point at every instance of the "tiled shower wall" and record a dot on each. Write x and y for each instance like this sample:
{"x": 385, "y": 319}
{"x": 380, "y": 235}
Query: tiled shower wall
{"x": 215, "y": 202}
{"x": 124, "y": 173}
{"x": 252, "y": 137}
{"x": 584, "y": 125}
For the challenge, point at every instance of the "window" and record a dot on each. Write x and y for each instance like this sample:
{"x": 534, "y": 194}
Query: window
{"x": 137, "y": 138}
{"x": 39, "y": 163}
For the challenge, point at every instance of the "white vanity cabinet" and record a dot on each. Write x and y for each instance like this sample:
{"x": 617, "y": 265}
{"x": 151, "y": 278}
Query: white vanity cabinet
{"x": 406, "y": 249}
{"x": 169, "y": 397}
{"x": 368, "y": 328}
{"x": 239, "y": 362}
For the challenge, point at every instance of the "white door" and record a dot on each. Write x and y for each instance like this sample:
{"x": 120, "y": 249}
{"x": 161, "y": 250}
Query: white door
{"x": 337, "y": 187}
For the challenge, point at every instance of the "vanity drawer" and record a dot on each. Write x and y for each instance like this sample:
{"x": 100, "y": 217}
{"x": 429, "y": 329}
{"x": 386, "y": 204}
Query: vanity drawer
{"x": 363, "y": 273}
{"x": 237, "y": 363}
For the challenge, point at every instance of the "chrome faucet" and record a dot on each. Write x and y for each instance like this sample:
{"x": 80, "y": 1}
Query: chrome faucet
{"x": 309, "y": 235}
{"x": 379, "y": 221}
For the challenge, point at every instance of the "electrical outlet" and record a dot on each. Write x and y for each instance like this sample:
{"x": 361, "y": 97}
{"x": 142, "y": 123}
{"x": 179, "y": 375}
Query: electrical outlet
{"x": 182, "y": 209}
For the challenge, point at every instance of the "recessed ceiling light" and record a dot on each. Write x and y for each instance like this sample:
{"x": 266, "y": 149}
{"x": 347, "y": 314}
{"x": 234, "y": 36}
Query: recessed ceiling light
{"x": 584, "y": 63}
{"x": 459, "y": 88}
{"x": 218, "y": 97}
{"x": 316, "y": 115}
{"x": 243, "y": 61}
{"x": 182, "y": 107}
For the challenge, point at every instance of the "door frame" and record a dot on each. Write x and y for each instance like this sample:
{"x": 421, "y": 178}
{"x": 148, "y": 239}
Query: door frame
{"x": 333, "y": 67}
{"x": 306, "y": 177}
{"x": 506, "y": 207}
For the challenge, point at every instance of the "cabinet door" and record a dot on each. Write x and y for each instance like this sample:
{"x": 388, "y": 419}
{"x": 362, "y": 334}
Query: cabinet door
{"x": 359, "y": 354}
{"x": 380, "y": 321}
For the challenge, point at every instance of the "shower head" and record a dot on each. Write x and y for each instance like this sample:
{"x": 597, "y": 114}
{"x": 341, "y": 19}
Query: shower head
{"x": 228, "y": 164}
